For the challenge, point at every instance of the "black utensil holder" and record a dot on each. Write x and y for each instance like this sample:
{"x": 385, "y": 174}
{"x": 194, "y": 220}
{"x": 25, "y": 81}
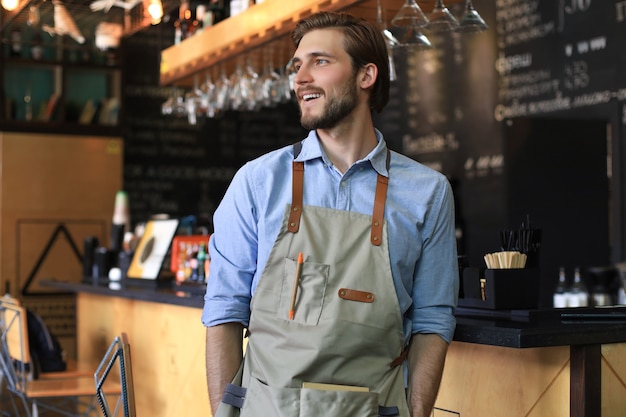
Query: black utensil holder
{"x": 500, "y": 289}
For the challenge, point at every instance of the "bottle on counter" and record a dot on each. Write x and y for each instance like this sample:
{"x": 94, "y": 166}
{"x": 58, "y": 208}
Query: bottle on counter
{"x": 181, "y": 263}
{"x": 15, "y": 49}
{"x": 601, "y": 296}
{"x": 561, "y": 294}
{"x": 238, "y": 6}
{"x": 186, "y": 25}
{"x": 201, "y": 261}
{"x": 579, "y": 296}
{"x": 204, "y": 18}
{"x": 36, "y": 50}
{"x": 221, "y": 10}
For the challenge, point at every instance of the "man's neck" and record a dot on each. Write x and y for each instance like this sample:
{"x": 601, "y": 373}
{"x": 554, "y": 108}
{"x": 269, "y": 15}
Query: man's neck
{"x": 349, "y": 142}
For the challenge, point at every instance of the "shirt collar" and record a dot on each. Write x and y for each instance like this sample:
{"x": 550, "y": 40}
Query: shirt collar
{"x": 311, "y": 149}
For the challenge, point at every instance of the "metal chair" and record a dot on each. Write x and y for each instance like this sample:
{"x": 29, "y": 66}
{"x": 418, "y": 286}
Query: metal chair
{"x": 71, "y": 395}
{"x": 119, "y": 351}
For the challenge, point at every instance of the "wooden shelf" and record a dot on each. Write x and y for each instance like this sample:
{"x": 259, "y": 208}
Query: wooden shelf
{"x": 263, "y": 25}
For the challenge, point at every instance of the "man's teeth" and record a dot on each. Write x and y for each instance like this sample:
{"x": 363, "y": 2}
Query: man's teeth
{"x": 308, "y": 97}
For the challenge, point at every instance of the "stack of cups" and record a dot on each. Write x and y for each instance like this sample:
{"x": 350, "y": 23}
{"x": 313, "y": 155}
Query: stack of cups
{"x": 120, "y": 226}
{"x": 120, "y": 221}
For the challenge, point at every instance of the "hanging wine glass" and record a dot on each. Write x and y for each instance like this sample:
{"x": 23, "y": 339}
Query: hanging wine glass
{"x": 248, "y": 81}
{"x": 167, "y": 107}
{"x": 222, "y": 91}
{"x": 285, "y": 84}
{"x": 291, "y": 80}
{"x": 471, "y": 20}
{"x": 390, "y": 40}
{"x": 441, "y": 20}
{"x": 414, "y": 38}
{"x": 410, "y": 14}
{"x": 193, "y": 100}
{"x": 191, "y": 105}
{"x": 180, "y": 109}
{"x": 265, "y": 84}
{"x": 410, "y": 20}
{"x": 234, "y": 94}
{"x": 207, "y": 92}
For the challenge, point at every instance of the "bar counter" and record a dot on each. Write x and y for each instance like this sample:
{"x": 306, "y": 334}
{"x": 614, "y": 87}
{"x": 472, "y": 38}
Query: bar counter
{"x": 513, "y": 363}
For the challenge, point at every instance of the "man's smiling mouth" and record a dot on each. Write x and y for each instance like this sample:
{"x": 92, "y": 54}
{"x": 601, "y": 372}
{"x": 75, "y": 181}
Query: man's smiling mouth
{"x": 309, "y": 97}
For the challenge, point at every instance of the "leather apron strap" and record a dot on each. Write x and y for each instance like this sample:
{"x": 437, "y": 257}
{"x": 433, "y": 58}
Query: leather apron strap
{"x": 380, "y": 199}
{"x": 297, "y": 190}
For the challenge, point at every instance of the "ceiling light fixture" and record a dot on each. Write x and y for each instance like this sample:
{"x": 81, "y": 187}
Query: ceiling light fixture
{"x": 10, "y": 5}
{"x": 155, "y": 10}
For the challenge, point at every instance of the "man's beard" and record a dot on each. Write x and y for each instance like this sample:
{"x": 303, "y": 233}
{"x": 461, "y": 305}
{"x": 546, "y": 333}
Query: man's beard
{"x": 336, "y": 109}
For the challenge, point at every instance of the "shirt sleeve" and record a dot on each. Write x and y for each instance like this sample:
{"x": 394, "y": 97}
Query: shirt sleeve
{"x": 233, "y": 249}
{"x": 436, "y": 279}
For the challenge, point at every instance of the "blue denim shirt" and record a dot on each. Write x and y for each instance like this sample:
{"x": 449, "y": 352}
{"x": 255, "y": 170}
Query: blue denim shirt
{"x": 419, "y": 213}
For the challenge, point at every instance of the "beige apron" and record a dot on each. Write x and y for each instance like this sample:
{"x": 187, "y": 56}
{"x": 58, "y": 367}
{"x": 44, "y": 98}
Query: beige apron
{"x": 347, "y": 327}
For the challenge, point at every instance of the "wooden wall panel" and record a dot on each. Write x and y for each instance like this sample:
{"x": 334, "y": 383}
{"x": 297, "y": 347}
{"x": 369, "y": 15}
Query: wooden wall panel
{"x": 613, "y": 380}
{"x": 46, "y": 181}
{"x": 489, "y": 380}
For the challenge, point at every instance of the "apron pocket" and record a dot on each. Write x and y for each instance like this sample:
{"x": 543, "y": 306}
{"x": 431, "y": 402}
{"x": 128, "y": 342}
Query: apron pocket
{"x": 262, "y": 399}
{"x": 310, "y": 294}
{"x": 316, "y": 403}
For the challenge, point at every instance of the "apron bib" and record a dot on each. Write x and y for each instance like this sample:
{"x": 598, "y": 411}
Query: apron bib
{"x": 346, "y": 330}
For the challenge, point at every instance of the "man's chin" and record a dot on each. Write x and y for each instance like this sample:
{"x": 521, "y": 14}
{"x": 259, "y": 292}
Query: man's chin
{"x": 309, "y": 123}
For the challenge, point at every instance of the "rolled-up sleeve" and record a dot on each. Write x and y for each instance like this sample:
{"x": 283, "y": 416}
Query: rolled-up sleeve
{"x": 436, "y": 280}
{"x": 233, "y": 249}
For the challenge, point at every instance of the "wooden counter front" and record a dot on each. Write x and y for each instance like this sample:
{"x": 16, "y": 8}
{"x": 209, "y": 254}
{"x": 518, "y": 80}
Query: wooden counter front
{"x": 483, "y": 380}
{"x": 167, "y": 349}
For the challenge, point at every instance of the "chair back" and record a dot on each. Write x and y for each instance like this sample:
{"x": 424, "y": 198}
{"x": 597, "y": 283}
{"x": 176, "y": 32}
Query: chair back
{"x": 14, "y": 353}
{"x": 117, "y": 353}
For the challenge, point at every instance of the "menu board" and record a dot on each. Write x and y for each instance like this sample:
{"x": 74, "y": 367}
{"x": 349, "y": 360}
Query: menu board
{"x": 559, "y": 55}
{"x": 181, "y": 169}
{"x": 538, "y": 59}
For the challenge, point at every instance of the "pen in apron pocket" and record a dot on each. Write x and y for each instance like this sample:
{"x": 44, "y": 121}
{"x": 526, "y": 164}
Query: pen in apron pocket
{"x": 294, "y": 293}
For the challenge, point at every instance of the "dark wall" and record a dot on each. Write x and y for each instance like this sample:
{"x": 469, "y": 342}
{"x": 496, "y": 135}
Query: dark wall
{"x": 171, "y": 166}
{"x": 464, "y": 102}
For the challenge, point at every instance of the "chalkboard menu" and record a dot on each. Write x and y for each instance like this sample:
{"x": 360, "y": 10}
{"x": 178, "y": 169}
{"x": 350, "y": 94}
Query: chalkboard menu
{"x": 174, "y": 167}
{"x": 456, "y": 104}
{"x": 441, "y": 114}
{"x": 559, "y": 55}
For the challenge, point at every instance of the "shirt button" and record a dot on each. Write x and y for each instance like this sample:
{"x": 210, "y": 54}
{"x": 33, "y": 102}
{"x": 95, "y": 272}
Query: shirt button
{"x": 343, "y": 183}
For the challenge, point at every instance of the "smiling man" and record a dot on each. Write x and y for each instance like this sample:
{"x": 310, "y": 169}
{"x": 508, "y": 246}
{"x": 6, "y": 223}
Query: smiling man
{"x": 336, "y": 254}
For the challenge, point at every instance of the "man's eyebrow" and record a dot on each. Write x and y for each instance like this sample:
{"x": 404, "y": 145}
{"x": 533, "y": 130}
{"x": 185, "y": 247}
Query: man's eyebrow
{"x": 313, "y": 55}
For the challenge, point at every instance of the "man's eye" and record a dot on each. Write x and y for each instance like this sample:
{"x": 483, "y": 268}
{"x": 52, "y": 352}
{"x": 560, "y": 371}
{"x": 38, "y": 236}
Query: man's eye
{"x": 322, "y": 61}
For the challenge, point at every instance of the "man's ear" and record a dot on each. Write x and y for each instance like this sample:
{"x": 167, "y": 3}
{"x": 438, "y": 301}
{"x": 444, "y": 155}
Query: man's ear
{"x": 368, "y": 76}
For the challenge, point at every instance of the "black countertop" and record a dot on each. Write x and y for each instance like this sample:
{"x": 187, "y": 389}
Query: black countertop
{"x": 166, "y": 292}
{"x": 505, "y": 328}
